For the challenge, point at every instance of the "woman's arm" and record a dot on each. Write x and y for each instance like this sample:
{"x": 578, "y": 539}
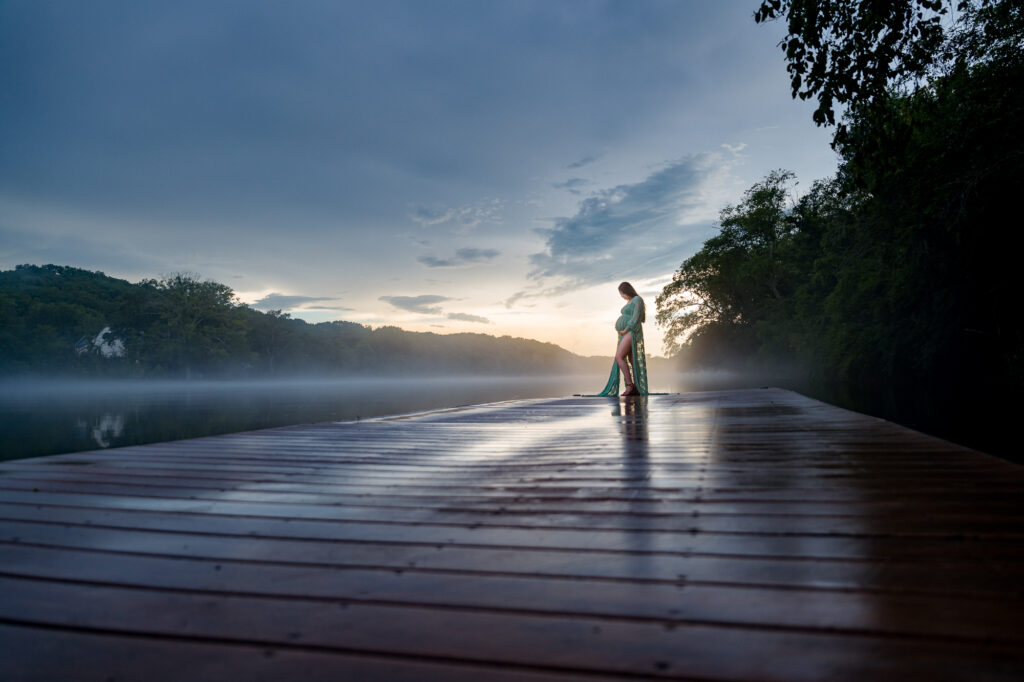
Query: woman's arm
{"x": 638, "y": 308}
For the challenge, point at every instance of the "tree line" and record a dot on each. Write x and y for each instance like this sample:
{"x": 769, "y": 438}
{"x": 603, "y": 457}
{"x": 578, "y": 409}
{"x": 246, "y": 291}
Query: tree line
{"x": 181, "y": 325}
{"x": 900, "y": 268}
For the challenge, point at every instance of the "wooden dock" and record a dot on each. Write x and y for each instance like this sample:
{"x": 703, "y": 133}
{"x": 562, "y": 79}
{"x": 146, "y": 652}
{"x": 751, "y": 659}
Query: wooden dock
{"x": 734, "y": 535}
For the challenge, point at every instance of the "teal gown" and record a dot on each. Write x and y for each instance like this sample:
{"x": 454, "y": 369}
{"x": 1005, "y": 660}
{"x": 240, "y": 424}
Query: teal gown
{"x": 629, "y": 320}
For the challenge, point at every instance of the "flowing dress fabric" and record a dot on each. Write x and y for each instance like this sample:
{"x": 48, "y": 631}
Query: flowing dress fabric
{"x": 629, "y": 320}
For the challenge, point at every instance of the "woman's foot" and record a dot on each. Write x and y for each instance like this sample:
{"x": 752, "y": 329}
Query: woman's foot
{"x": 631, "y": 390}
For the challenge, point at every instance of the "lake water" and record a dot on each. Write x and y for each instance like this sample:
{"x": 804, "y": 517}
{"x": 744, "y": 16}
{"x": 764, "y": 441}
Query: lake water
{"x": 50, "y": 417}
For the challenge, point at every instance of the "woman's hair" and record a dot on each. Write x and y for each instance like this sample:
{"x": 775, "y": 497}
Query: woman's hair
{"x": 627, "y": 288}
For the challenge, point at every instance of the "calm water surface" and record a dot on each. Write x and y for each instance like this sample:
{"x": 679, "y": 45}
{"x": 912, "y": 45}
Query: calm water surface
{"x": 50, "y": 417}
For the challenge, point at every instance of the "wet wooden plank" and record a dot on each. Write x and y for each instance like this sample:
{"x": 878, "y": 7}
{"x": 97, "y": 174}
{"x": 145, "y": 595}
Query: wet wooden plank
{"x": 1009, "y": 524}
{"x": 63, "y": 654}
{"x": 481, "y": 637}
{"x": 541, "y": 539}
{"x": 990, "y": 578}
{"x": 675, "y": 602}
{"x": 656, "y": 502}
{"x": 957, "y": 548}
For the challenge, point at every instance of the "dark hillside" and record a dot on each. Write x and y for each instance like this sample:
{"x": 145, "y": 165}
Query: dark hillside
{"x": 51, "y": 315}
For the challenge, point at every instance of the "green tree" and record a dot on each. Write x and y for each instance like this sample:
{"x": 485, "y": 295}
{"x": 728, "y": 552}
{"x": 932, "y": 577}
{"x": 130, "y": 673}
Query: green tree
{"x": 862, "y": 54}
{"x": 844, "y": 51}
{"x": 898, "y": 269}
{"x": 195, "y": 327}
{"x": 738, "y": 277}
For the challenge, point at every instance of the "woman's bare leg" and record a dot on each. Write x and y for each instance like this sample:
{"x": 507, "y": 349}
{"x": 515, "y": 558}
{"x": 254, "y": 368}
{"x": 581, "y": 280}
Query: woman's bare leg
{"x": 625, "y": 345}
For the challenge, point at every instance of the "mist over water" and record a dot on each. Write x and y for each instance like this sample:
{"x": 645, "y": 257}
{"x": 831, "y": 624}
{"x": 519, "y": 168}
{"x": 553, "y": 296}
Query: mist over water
{"x": 50, "y": 416}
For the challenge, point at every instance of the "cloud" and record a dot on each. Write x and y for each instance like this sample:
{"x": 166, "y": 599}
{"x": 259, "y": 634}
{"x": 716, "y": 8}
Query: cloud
{"x": 515, "y": 298}
{"x": 631, "y": 230}
{"x": 572, "y": 184}
{"x": 735, "y": 148}
{"x": 466, "y": 317}
{"x": 583, "y": 162}
{"x": 459, "y": 219}
{"x": 464, "y": 256}
{"x": 425, "y": 304}
{"x": 427, "y": 215}
{"x": 276, "y": 301}
{"x": 325, "y": 309}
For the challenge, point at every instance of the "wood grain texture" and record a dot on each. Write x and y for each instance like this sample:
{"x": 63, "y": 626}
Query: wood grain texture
{"x": 734, "y": 535}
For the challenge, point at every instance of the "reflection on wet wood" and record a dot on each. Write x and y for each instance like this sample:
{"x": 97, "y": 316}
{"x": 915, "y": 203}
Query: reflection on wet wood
{"x": 735, "y": 535}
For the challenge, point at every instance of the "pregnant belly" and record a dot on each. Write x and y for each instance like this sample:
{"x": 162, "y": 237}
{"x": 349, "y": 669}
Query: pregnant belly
{"x": 622, "y": 323}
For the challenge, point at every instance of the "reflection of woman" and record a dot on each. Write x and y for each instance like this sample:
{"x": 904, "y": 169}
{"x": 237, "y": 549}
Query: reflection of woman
{"x": 629, "y": 353}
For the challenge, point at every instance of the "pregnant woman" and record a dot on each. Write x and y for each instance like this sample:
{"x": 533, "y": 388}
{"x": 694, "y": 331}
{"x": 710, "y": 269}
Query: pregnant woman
{"x": 629, "y": 353}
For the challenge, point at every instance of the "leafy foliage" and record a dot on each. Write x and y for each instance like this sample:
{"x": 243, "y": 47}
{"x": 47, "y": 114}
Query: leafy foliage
{"x": 899, "y": 268}
{"x": 862, "y": 52}
{"x": 195, "y": 325}
{"x": 731, "y": 281}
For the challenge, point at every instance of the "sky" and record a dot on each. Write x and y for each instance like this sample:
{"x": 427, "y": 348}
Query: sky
{"x": 439, "y": 165}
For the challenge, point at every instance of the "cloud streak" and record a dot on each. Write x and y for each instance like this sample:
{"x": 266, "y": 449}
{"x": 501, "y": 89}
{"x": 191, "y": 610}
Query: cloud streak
{"x": 466, "y": 317}
{"x": 276, "y": 301}
{"x": 458, "y": 219}
{"x": 572, "y": 184}
{"x": 465, "y": 256}
{"x": 425, "y": 304}
{"x": 630, "y": 230}
{"x": 583, "y": 162}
